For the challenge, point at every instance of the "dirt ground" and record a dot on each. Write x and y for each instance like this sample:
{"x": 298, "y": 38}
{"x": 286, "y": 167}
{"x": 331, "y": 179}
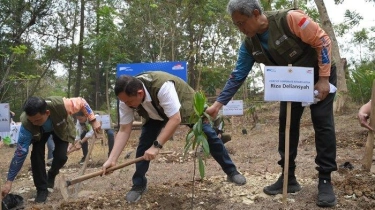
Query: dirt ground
{"x": 170, "y": 177}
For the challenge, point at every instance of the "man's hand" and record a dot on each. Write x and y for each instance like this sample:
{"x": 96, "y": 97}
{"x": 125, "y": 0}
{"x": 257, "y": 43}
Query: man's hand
{"x": 151, "y": 153}
{"x": 214, "y": 109}
{"x": 107, "y": 164}
{"x": 364, "y": 114}
{"x": 362, "y": 118}
{"x": 322, "y": 86}
{"x": 74, "y": 147}
{"x": 96, "y": 126}
{"x": 78, "y": 144}
{"x": 6, "y": 189}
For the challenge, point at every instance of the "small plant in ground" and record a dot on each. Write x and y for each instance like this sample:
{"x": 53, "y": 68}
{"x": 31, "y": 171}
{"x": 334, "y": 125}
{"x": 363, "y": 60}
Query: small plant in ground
{"x": 196, "y": 138}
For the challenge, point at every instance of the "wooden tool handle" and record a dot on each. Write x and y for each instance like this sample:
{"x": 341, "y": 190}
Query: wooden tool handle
{"x": 98, "y": 173}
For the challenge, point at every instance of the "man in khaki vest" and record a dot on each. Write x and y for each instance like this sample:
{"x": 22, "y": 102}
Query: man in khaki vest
{"x": 40, "y": 119}
{"x": 164, "y": 101}
{"x": 280, "y": 38}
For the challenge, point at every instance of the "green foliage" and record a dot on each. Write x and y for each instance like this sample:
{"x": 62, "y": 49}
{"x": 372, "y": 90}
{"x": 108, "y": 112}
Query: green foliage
{"x": 214, "y": 77}
{"x": 252, "y": 108}
{"x": 341, "y": 28}
{"x": 196, "y": 137}
{"x": 41, "y": 36}
{"x": 352, "y": 18}
{"x": 23, "y": 76}
{"x": 361, "y": 81}
{"x": 361, "y": 36}
{"x": 7, "y": 140}
{"x": 20, "y": 49}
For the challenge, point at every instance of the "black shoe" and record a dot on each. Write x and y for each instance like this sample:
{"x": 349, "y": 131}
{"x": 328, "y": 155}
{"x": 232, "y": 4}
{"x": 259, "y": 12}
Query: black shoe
{"x": 277, "y": 187}
{"x": 135, "y": 193}
{"x": 41, "y": 196}
{"x": 50, "y": 181}
{"x": 236, "y": 178}
{"x": 49, "y": 162}
{"x": 82, "y": 161}
{"x": 326, "y": 196}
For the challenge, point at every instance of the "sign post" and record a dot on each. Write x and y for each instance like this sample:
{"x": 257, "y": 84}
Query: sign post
{"x": 234, "y": 107}
{"x": 4, "y": 127}
{"x": 4, "y": 117}
{"x": 286, "y": 158}
{"x": 290, "y": 84}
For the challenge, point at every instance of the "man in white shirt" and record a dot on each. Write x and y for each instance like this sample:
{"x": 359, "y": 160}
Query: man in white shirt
{"x": 164, "y": 101}
{"x": 84, "y": 132}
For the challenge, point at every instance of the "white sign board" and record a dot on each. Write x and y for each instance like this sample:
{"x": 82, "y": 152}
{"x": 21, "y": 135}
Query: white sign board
{"x": 13, "y": 133}
{"x": 105, "y": 121}
{"x": 234, "y": 107}
{"x": 289, "y": 83}
{"x": 4, "y": 117}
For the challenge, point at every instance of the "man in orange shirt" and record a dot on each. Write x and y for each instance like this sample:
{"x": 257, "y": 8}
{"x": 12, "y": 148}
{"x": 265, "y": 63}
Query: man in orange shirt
{"x": 277, "y": 39}
{"x": 40, "y": 119}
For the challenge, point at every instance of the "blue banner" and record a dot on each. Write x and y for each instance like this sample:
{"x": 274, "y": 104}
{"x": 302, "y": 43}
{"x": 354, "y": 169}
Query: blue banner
{"x": 177, "y": 68}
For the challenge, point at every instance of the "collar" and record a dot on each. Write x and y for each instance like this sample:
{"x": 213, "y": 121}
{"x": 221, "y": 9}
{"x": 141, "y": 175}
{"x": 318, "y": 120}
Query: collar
{"x": 147, "y": 95}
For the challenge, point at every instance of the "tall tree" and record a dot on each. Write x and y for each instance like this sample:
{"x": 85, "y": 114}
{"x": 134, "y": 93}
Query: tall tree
{"x": 16, "y": 19}
{"x": 360, "y": 38}
{"x": 77, "y": 87}
{"x": 342, "y": 88}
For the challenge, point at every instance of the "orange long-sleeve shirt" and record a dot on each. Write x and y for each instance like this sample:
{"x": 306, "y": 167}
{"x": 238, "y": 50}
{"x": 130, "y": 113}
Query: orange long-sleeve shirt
{"x": 74, "y": 105}
{"x": 311, "y": 33}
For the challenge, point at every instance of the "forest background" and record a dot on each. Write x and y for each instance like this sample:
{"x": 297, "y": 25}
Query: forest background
{"x": 86, "y": 39}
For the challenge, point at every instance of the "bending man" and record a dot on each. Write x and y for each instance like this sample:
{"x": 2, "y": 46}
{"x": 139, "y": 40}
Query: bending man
{"x": 165, "y": 101}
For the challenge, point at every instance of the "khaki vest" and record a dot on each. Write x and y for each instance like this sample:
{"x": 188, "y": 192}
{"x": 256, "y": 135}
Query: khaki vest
{"x": 63, "y": 124}
{"x": 153, "y": 82}
{"x": 283, "y": 46}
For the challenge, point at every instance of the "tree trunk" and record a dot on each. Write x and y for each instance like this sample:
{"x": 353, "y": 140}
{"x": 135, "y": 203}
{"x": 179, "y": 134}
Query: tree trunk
{"x": 107, "y": 86}
{"x": 71, "y": 57}
{"x": 97, "y": 72}
{"x": 77, "y": 87}
{"x": 192, "y": 75}
{"x": 342, "y": 88}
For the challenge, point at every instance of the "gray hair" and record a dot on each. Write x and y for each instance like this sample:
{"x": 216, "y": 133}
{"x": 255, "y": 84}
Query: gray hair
{"x": 245, "y": 7}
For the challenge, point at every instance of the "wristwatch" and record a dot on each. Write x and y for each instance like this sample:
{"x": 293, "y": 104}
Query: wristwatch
{"x": 158, "y": 145}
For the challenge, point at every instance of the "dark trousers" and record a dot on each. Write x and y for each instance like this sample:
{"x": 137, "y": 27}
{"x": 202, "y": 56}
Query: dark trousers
{"x": 111, "y": 139}
{"x": 38, "y": 165}
{"x": 151, "y": 130}
{"x": 325, "y": 137}
{"x": 218, "y": 150}
{"x": 85, "y": 145}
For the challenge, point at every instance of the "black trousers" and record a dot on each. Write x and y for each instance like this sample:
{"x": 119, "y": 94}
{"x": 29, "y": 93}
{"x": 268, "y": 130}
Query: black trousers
{"x": 111, "y": 139}
{"x": 323, "y": 123}
{"x": 85, "y": 145}
{"x": 151, "y": 130}
{"x": 38, "y": 165}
